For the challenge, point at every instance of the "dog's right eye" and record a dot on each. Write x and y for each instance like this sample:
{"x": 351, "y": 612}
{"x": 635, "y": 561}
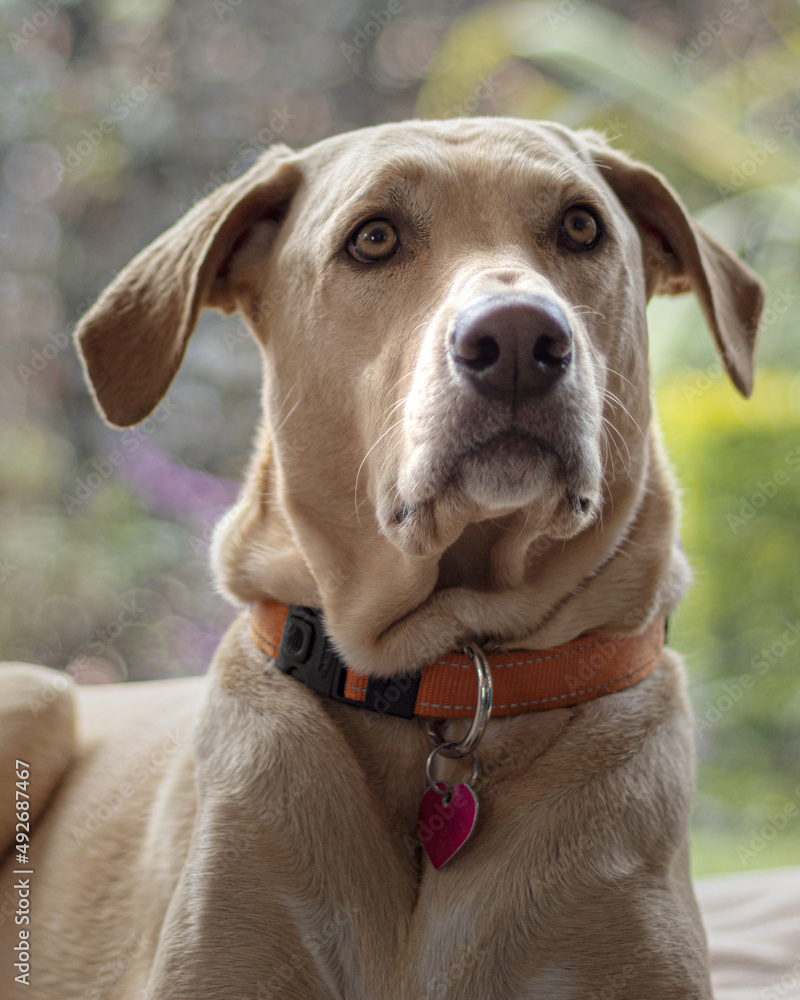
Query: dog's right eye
{"x": 375, "y": 240}
{"x": 580, "y": 229}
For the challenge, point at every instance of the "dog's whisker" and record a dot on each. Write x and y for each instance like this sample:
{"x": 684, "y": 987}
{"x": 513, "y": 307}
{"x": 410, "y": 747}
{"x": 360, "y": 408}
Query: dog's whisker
{"x": 608, "y": 430}
{"x": 610, "y": 495}
{"x": 363, "y": 460}
{"x": 583, "y": 310}
{"x": 391, "y": 453}
{"x": 401, "y": 378}
{"x": 608, "y": 457}
{"x": 291, "y": 411}
{"x": 607, "y": 427}
{"x": 615, "y": 402}
{"x": 566, "y": 173}
{"x": 382, "y": 434}
{"x": 521, "y": 531}
{"x": 619, "y": 375}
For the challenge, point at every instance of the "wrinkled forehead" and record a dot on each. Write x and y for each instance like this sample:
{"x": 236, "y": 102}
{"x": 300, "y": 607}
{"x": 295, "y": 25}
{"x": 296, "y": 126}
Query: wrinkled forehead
{"x": 463, "y": 160}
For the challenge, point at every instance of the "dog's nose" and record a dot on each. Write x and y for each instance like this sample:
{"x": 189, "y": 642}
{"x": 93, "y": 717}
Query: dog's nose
{"x": 512, "y": 347}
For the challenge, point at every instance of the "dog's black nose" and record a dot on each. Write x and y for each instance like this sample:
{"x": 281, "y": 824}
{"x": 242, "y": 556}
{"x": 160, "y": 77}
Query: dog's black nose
{"x": 512, "y": 347}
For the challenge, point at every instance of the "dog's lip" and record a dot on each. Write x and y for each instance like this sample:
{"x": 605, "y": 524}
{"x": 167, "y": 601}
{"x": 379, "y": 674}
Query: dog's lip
{"x": 517, "y": 442}
{"x": 510, "y": 438}
{"x": 506, "y": 439}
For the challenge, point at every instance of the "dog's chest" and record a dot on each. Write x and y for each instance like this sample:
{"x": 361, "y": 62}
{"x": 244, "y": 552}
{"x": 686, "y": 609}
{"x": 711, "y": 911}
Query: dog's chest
{"x": 320, "y": 851}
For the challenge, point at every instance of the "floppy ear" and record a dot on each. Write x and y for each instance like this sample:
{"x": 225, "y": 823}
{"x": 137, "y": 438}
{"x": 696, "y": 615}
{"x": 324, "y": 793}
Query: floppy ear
{"x": 132, "y": 341}
{"x": 679, "y": 256}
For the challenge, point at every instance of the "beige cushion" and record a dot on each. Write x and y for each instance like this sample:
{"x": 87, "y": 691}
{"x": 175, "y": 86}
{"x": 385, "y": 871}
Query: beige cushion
{"x": 753, "y": 925}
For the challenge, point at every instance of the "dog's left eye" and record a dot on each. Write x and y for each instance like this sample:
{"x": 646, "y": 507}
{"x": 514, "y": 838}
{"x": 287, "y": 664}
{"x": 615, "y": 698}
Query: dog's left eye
{"x": 375, "y": 240}
{"x": 580, "y": 229}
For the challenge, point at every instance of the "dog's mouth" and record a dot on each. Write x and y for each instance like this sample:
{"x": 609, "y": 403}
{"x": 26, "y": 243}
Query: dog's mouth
{"x": 510, "y": 468}
{"x": 501, "y": 473}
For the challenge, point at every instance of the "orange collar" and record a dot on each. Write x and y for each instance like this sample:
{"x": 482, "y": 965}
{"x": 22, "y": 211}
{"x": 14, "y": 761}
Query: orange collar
{"x": 524, "y": 680}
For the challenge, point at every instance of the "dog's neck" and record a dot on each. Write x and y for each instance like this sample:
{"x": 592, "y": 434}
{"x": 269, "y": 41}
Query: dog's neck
{"x": 618, "y": 576}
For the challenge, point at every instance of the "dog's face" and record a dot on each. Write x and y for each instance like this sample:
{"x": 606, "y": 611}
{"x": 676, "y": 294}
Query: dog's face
{"x": 467, "y": 322}
{"x": 453, "y": 321}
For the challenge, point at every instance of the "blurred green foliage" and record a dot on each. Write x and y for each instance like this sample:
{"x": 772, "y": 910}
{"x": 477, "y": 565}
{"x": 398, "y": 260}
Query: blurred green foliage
{"x": 739, "y": 627}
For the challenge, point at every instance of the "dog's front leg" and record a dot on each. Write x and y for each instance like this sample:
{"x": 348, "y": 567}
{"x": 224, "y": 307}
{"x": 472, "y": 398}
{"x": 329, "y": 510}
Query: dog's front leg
{"x": 230, "y": 930}
{"x": 286, "y": 886}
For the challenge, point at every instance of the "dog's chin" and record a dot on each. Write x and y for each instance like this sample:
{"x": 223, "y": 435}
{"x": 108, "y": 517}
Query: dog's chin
{"x": 508, "y": 474}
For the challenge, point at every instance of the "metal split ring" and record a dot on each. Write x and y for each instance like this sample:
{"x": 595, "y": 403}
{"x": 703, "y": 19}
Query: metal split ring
{"x": 442, "y": 748}
{"x": 483, "y": 710}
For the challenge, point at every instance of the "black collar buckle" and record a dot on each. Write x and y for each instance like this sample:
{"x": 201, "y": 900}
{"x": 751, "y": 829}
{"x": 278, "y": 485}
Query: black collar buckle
{"x": 307, "y": 654}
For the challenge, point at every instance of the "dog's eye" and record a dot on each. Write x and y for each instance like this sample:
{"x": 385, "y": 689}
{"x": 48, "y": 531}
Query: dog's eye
{"x": 376, "y": 240}
{"x": 580, "y": 229}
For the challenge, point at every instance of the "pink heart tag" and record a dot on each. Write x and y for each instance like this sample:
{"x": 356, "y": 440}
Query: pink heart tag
{"x": 445, "y": 821}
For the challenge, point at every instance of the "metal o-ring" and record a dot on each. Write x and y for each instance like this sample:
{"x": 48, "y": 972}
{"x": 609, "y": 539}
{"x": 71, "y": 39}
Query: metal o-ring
{"x": 483, "y": 707}
{"x": 429, "y": 763}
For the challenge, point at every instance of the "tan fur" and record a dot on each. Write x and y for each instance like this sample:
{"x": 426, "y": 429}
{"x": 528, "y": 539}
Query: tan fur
{"x": 242, "y": 837}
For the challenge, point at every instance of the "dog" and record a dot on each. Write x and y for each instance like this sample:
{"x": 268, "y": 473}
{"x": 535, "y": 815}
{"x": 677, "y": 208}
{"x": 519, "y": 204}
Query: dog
{"x": 457, "y": 452}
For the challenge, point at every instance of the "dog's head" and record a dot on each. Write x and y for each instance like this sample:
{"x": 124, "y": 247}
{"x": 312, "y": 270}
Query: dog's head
{"x": 452, "y": 317}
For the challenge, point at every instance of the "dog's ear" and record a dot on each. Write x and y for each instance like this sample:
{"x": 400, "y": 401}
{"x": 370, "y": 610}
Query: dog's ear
{"x": 679, "y": 256}
{"x": 132, "y": 341}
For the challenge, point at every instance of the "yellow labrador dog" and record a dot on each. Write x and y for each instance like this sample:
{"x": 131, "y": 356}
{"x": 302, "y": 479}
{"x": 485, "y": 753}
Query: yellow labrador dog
{"x": 457, "y": 451}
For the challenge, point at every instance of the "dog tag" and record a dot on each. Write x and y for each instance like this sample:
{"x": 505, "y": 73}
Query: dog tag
{"x": 446, "y": 819}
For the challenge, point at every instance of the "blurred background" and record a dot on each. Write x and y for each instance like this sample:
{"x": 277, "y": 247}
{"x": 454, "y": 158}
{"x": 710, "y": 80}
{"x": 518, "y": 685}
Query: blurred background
{"x": 115, "y": 116}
